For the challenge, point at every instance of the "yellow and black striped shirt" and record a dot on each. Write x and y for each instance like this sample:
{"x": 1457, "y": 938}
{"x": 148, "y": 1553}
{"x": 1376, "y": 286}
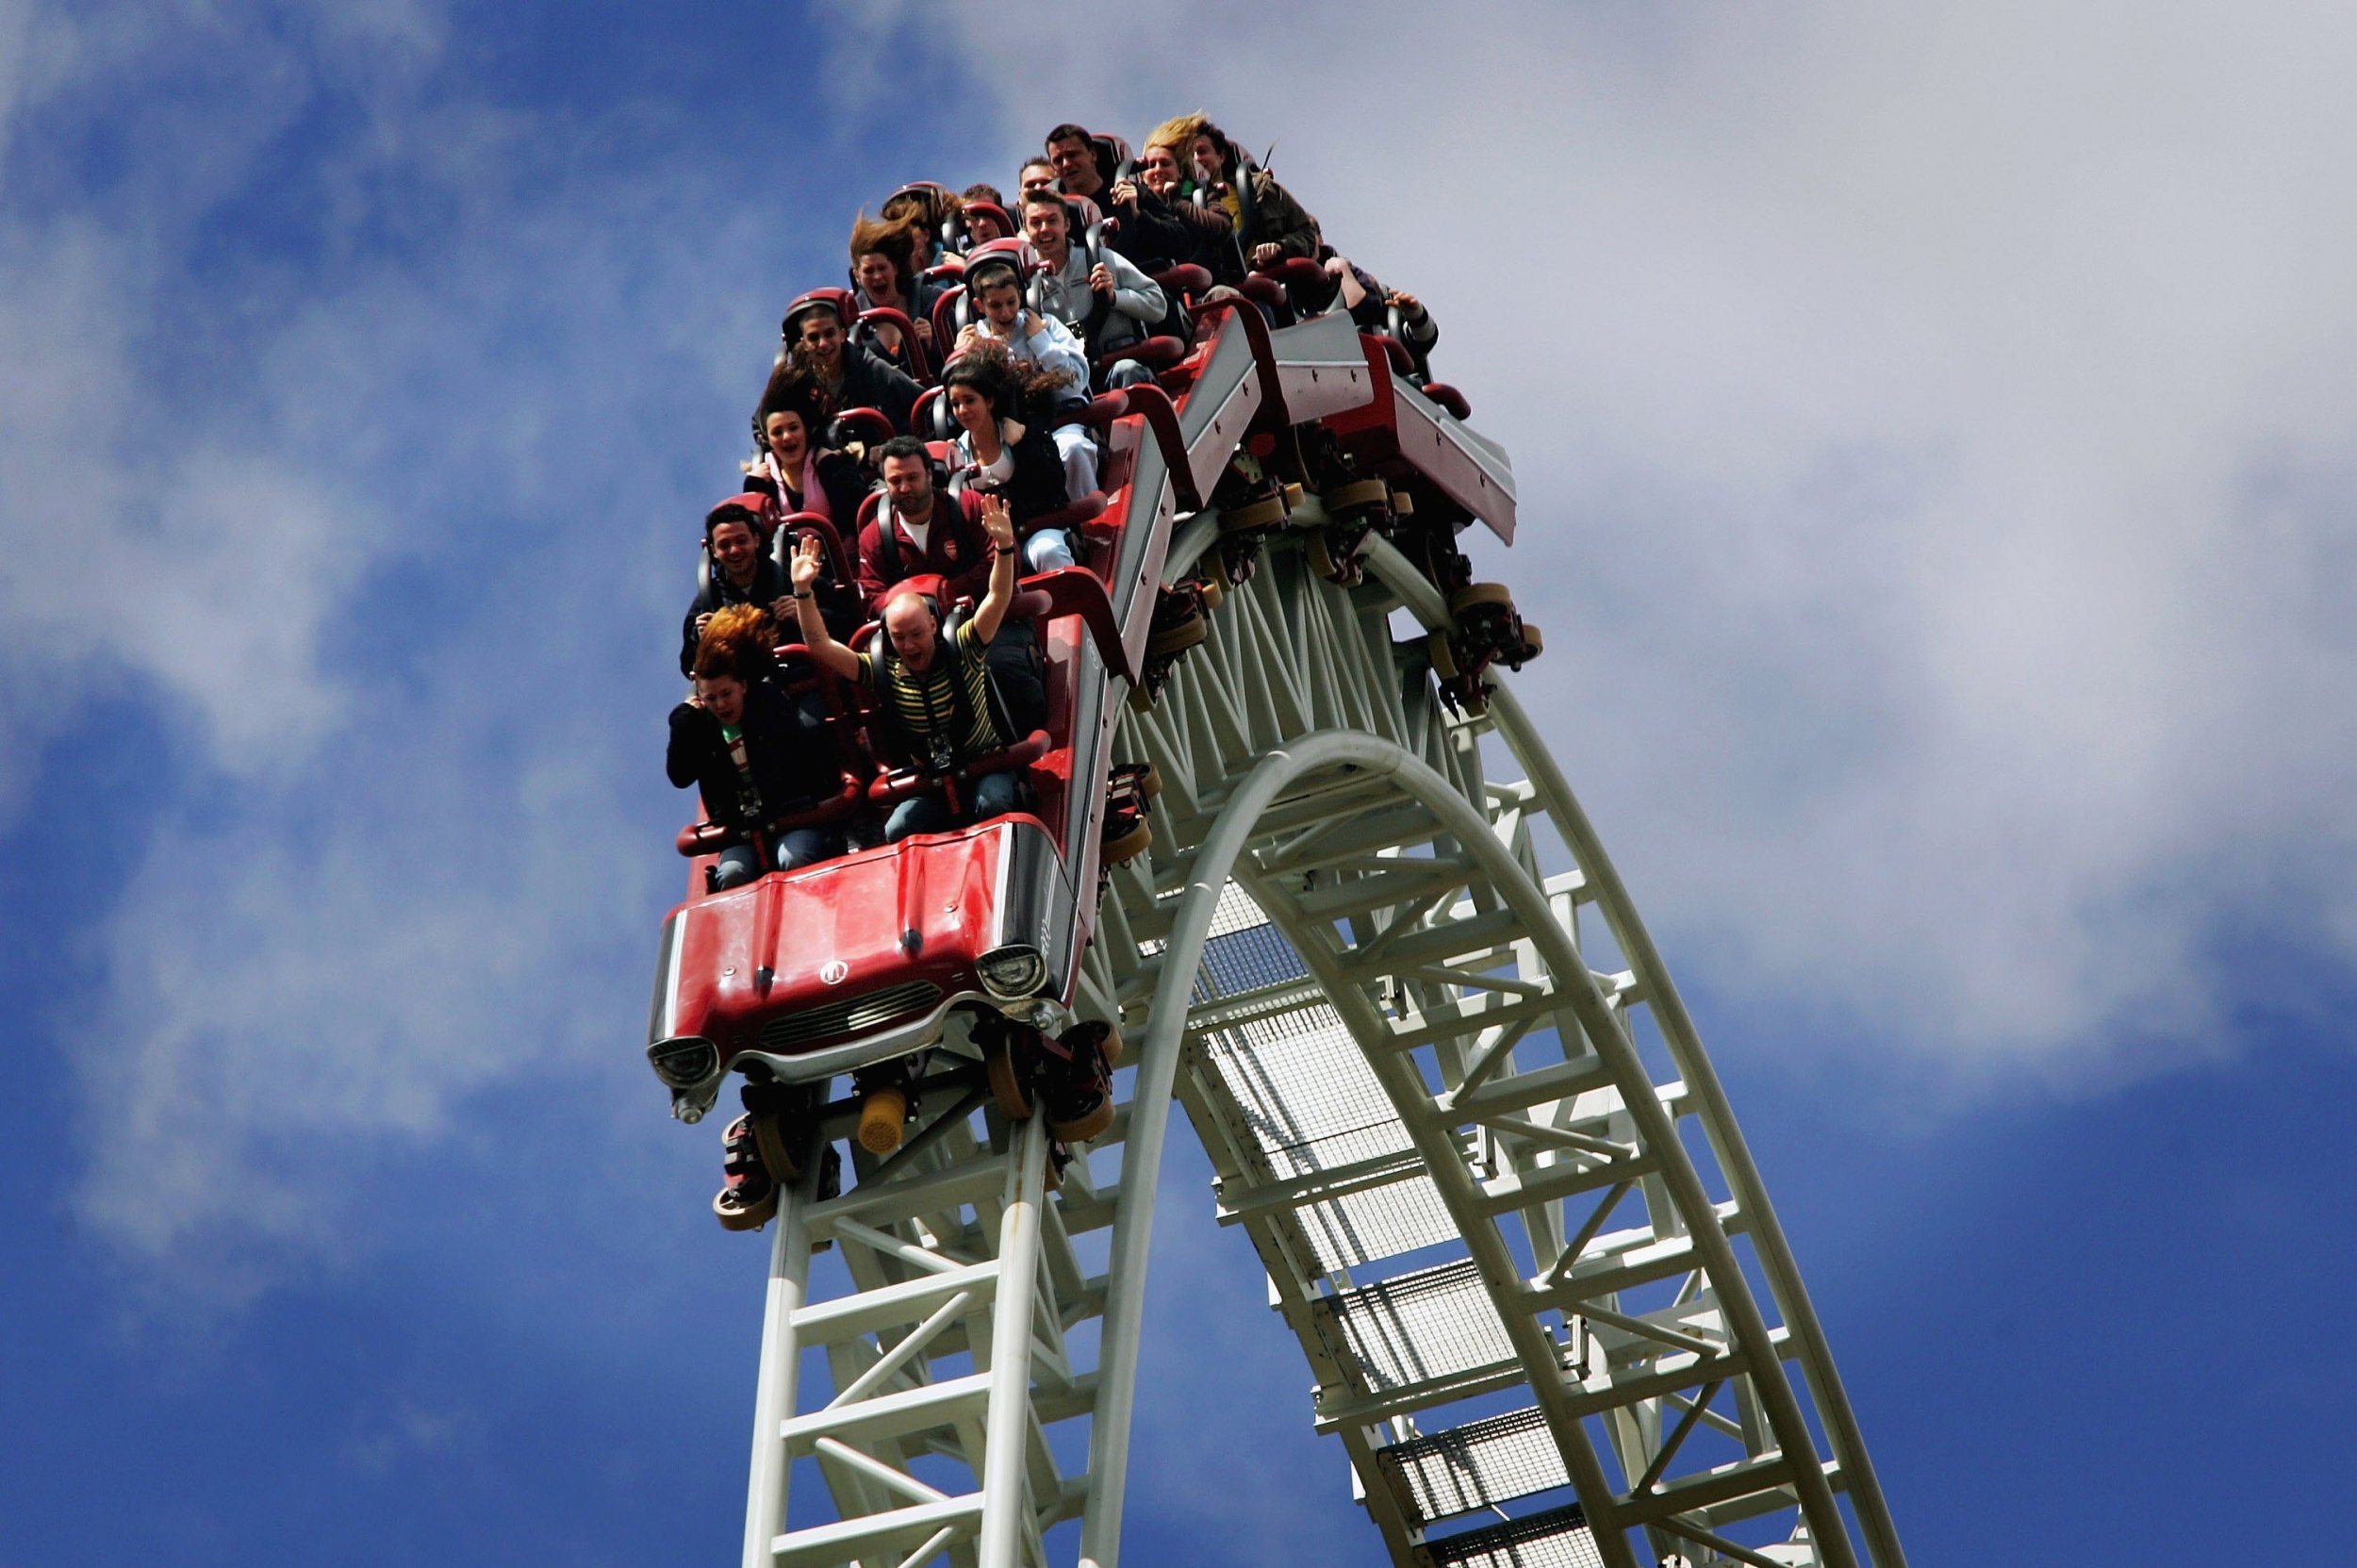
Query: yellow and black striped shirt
{"x": 927, "y": 705}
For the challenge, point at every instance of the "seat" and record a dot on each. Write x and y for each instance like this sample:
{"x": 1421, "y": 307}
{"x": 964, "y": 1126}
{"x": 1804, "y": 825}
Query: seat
{"x": 929, "y": 417}
{"x": 920, "y": 362}
{"x": 869, "y": 427}
{"x": 1449, "y": 397}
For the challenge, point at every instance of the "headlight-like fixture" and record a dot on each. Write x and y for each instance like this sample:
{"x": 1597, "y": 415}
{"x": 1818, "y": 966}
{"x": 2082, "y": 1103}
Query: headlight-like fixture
{"x": 1012, "y": 971}
{"x": 684, "y": 1061}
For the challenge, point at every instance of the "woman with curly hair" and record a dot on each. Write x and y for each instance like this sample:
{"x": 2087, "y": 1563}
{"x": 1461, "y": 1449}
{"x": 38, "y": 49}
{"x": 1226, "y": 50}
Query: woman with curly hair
{"x": 752, "y": 754}
{"x": 1005, "y": 457}
{"x": 1268, "y": 222}
{"x": 788, "y": 460}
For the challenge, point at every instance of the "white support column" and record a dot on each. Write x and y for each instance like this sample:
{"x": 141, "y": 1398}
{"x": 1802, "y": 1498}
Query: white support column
{"x": 773, "y": 1396}
{"x": 1006, "y": 1508}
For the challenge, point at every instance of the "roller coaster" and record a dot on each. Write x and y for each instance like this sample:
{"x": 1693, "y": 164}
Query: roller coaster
{"x": 1295, "y": 861}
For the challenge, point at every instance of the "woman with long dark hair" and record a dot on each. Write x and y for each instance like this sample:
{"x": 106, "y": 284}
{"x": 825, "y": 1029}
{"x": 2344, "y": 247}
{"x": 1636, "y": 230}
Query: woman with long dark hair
{"x": 987, "y": 393}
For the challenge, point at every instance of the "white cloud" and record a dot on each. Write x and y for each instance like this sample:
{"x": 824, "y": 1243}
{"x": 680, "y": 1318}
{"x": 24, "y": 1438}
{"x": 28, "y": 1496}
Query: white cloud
{"x": 1934, "y": 457}
{"x": 1938, "y": 469}
{"x": 371, "y": 515}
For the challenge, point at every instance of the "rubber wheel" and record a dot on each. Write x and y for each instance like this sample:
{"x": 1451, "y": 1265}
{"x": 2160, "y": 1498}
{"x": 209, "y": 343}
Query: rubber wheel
{"x": 1254, "y": 516}
{"x": 1402, "y": 504}
{"x": 1111, "y": 1045}
{"x": 1131, "y": 844}
{"x": 1533, "y": 644}
{"x": 1321, "y": 558}
{"x": 733, "y": 1218}
{"x": 1007, "y": 1089}
{"x": 1141, "y": 699}
{"x": 1212, "y": 593}
{"x": 1444, "y": 657}
{"x": 1359, "y": 492}
{"x": 1149, "y": 783}
{"x": 1478, "y": 593}
{"x": 1177, "y": 639}
{"x": 1292, "y": 496}
{"x": 1089, "y": 1126}
{"x": 769, "y": 1137}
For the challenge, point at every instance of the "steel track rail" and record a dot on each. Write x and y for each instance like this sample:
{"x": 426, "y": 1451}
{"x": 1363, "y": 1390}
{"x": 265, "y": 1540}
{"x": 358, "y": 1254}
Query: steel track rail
{"x": 1507, "y": 1214}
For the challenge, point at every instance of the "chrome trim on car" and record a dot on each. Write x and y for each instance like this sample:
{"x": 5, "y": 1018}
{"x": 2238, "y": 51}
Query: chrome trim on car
{"x": 824, "y": 1063}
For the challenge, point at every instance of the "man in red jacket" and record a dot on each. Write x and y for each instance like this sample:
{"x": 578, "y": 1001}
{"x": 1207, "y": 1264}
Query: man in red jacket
{"x": 919, "y": 529}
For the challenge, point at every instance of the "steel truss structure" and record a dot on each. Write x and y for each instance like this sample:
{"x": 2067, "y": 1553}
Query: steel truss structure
{"x": 1450, "y": 1096}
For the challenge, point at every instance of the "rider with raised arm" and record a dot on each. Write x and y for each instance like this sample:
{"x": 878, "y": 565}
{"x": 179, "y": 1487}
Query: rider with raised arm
{"x": 934, "y": 691}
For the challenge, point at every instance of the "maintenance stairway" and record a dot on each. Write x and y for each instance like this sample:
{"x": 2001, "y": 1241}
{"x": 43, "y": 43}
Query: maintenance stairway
{"x": 1445, "y": 1085}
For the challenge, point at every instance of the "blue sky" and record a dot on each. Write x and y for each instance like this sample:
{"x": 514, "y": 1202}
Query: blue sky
{"x": 1935, "y": 436}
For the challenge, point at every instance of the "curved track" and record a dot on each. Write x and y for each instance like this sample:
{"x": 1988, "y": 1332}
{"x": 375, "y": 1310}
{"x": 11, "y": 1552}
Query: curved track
{"x": 1450, "y": 1096}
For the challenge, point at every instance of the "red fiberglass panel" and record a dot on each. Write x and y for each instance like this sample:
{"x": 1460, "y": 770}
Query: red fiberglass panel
{"x": 836, "y": 932}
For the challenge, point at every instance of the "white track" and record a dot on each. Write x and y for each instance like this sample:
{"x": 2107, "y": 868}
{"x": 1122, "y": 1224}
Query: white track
{"x": 1450, "y": 1096}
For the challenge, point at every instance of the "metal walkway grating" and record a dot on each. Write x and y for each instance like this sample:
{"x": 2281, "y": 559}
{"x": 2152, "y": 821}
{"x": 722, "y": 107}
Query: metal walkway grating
{"x": 1383, "y": 1222}
{"x": 1305, "y": 1092}
{"x": 1250, "y": 958}
{"x": 1558, "y": 1538}
{"x": 1435, "y": 1323}
{"x": 1300, "y": 1093}
{"x": 1473, "y": 1466}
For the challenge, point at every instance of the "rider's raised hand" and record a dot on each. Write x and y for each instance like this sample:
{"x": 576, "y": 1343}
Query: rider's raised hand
{"x": 807, "y": 562}
{"x": 997, "y": 523}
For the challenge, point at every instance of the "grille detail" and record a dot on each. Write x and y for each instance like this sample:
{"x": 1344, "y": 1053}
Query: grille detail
{"x": 850, "y": 1015}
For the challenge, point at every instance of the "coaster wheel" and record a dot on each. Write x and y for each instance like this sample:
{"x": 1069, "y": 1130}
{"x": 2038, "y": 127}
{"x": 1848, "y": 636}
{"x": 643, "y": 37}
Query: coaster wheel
{"x": 1474, "y": 594}
{"x": 1010, "y": 1088}
{"x": 1177, "y": 639}
{"x": 1254, "y": 516}
{"x": 780, "y": 1160}
{"x": 1444, "y": 657}
{"x": 1358, "y": 493}
{"x": 1088, "y": 1125}
{"x": 1129, "y": 846}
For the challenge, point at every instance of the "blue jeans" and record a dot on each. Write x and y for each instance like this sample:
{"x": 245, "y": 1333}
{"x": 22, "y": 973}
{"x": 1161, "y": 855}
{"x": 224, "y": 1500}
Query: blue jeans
{"x": 993, "y": 793}
{"x": 799, "y": 847}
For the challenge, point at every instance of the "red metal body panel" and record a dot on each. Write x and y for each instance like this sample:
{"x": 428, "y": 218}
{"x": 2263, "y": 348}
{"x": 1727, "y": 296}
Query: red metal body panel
{"x": 836, "y": 931}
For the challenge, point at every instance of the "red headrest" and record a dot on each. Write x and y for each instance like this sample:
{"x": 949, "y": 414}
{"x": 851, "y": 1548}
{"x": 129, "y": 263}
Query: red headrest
{"x": 761, "y": 506}
{"x": 839, "y": 301}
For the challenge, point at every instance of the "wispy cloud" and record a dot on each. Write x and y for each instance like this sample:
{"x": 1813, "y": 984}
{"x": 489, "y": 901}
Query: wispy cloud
{"x": 1933, "y": 433}
{"x": 373, "y": 508}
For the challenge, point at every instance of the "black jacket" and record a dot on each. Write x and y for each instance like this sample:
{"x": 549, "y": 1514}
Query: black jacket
{"x": 770, "y": 586}
{"x": 794, "y": 766}
{"x": 871, "y": 381}
{"x": 1037, "y": 486}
